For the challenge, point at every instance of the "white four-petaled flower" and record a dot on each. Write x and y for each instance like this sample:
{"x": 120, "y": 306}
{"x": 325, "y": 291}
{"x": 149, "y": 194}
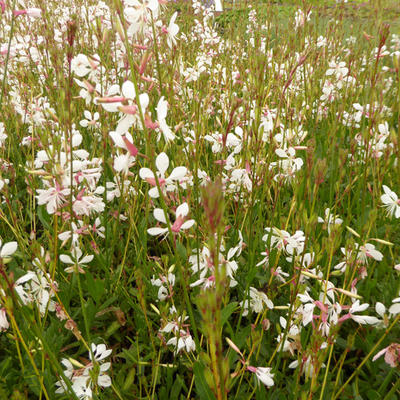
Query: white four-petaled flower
{"x": 391, "y": 202}
{"x": 180, "y": 224}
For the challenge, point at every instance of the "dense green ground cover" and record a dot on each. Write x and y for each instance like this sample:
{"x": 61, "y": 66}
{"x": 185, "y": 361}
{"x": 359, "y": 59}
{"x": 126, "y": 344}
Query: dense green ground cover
{"x": 199, "y": 205}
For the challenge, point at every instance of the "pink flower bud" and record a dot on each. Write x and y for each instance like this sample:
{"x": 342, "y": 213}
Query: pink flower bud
{"x": 30, "y": 12}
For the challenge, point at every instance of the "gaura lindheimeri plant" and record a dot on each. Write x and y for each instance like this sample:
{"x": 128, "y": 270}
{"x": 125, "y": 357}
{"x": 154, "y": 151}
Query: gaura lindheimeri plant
{"x": 175, "y": 173}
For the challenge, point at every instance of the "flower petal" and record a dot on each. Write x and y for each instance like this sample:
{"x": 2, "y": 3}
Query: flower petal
{"x": 8, "y": 249}
{"x": 162, "y": 163}
{"x": 182, "y": 210}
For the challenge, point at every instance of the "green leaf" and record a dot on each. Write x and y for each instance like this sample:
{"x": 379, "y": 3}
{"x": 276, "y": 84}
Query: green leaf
{"x": 44, "y": 217}
{"x": 227, "y": 312}
{"x": 181, "y": 251}
{"x": 203, "y": 390}
{"x": 94, "y": 287}
{"x": 176, "y": 389}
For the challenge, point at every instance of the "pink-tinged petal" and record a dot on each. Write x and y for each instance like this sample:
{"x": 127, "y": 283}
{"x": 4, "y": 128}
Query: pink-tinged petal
{"x": 162, "y": 163}
{"x": 130, "y": 146}
{"x": 146, "y": 173}
{"x": 159, "y": 215}
{"x": 391, "y": 357}
{"x": 157, "y": 231}
{"x": 233, "y": 346}
{"x": 8, "y": 249}
{"x": 182, "y": 210}
{"x": 379, "y": 354}
{"x": 177, "y": 173}
{"x": 188, "y": 224}
{"x": 128, "y": 90}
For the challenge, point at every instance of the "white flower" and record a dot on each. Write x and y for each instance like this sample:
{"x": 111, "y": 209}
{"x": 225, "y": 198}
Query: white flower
{"x": 37, "y": 286}
{"x": 369, "y": 251}
{"x": 131, "y": 113}
{"x": 181, "y": 212}
{"x": 166, "y": 184}
{"x": 391, "y": 202}
{"x": 256, "y": 302}
{"x": 172, "y": 30}
{"x": 126, "y": 104}
{"x": 53, "y": 197}
{"x": 90, "y": 120}
{"x": 99, "y": 351}
{"x": 307, "y": 367}
{"x": 185, "y": 341}
{"x": 161, "y": 115}
{"x": 77, "y": 261}
{"x": 80, "y": 65}
{"x": 82, "y": 378}
{"x": 3, "y": 136}
{"x": 361, "y": 319}
{"x": 338, "y": 69}
{"x": 123, "y": 162}
{"x": 164, "y": 283}
{"x": 330, "y": 219}
{"x": 288, "y": 163}
{"x": 139, "y": 14}
{"x": 73, "y": 234}
{"x": 263, "y": 374}
{"x": 282, "y": 240}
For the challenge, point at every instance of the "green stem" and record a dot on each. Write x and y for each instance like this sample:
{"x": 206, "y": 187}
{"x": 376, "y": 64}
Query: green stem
{"x": 357, "y": 370}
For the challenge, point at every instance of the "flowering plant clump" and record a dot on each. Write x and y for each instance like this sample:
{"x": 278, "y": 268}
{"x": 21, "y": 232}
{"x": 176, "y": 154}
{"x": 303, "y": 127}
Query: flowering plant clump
{"x": 199, "y": 201}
